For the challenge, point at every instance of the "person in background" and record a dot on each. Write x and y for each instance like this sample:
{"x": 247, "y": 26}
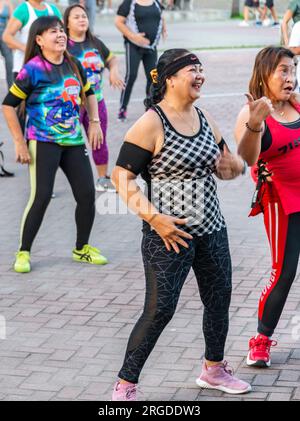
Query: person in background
{"x": 17, "y": 30}
{"x": 6, "y": 11}
{"x": 251, "y": 4}
{"x": 269, "y": 4}
{"x": 90, "y": 7}
{"x": 94, "y": 56}
{"x": 109, "y": 9}
{"x": 292, "y": 14}
{"x": 294, "y": 46}
{"x": 142, "y": 24}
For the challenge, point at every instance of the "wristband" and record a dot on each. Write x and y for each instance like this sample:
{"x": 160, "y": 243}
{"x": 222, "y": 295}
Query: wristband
{"x": 152, "y": 217}
{"x": 254, "y": 130}
{"x": 94, "y": 120}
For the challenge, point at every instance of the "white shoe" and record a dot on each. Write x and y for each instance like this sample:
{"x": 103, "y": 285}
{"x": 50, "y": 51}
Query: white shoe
{"x": 104, "y": 184}
{"x": 111, "y": 11}
{"x": 267, "y": 22}
{"x": 244, "y": 23}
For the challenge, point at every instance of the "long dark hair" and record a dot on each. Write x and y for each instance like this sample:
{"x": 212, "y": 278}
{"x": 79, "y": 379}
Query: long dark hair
{"x": 38, "y": 27}
{"x": 158, "y": 90}
{"x": 265, "y": 64}
{"x": 67, "y": 13}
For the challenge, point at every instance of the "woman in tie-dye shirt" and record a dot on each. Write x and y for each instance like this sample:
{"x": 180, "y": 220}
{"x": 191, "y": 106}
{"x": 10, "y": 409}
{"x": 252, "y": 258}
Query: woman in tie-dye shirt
{"x": 52, "y": 86}
{"x": 94, "y": 57}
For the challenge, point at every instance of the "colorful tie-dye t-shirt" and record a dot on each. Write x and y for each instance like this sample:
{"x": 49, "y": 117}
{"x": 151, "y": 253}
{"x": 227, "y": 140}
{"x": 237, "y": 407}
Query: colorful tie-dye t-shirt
{"x": 93, "y": 55}
{"x": 52, "y": 97}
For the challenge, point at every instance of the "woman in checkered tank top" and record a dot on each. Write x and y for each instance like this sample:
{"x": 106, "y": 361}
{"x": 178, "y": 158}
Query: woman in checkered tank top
{"x": 177, "y": 148}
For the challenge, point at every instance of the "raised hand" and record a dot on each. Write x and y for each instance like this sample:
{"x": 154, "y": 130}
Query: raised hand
{"x": 259, "y": 110}
{"x": 229, "y": 165}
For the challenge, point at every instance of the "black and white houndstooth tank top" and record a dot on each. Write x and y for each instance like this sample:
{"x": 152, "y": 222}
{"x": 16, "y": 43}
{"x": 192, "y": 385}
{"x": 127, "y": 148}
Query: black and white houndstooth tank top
{"x": 180, "y": 181}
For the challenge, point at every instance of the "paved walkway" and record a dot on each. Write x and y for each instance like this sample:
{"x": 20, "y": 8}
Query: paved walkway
{"x": 67, "y": 324}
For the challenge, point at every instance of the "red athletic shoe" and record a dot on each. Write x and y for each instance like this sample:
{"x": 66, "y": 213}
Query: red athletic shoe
{"x": 259, "y": 351}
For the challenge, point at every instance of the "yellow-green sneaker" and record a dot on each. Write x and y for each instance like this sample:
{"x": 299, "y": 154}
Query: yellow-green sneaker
{"x": 89, "y": 254}
{"x": 22, "y": 263}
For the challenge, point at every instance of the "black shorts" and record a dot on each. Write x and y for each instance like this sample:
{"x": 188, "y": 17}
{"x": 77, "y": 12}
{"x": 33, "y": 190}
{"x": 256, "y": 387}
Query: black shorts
{"x": 252, "y": 3}
{"x": 269, "y": 3}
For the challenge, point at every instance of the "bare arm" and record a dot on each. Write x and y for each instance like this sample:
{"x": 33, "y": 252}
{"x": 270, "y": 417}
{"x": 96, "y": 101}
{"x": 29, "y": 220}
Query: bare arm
{"x": 249, "y": 141}
{"x": 146, "y": 133}
{"x": 12, "y": 121}
{"x": 13, "y": 26}
{"x": 95, "y": 134}
{"x": 140, "y": 39}
{"x": 10, "y": 8}
{"x": 284, "y": 26}
{"x": 120, "y": 22}
{"x": 114, "y": 77}
{"x": 295, "y": 50}
{"x": 164, "y": 29}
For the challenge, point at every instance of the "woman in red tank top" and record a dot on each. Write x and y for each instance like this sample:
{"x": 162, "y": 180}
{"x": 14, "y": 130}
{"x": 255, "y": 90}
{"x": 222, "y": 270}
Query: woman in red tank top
{"x": 268, "y": 136}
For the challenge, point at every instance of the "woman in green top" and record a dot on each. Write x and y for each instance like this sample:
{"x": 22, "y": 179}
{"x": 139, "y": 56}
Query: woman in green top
{"x": 292, "y": 12}
{"x": 17, "y": 30}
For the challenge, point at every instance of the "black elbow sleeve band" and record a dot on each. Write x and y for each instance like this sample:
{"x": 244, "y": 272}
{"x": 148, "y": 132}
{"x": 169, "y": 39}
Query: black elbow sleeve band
{"x": 89, "y": 92}
{"x": 221, "y": 144}
{"x": 133, "y": 158}
{"x": 11, "y": 100}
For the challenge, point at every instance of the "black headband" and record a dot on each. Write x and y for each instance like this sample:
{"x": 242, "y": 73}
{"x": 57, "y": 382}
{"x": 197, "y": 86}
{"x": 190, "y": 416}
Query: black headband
{"x": 173, "y": 67}
{"x": 178, "y": 64}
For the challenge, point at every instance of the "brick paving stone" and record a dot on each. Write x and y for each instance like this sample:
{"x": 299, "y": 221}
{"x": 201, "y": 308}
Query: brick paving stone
{"x": 279, "y": 397}
{"x": 42, "y": 396}
{"x": 69, "y": 393}
{"x": 296, "y": 395}
{"x": 264, "y": 380}
{"x": 61, "y": 355}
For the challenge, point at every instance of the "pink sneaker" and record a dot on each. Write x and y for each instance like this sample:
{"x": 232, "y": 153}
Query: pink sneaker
{"x": 220, "y": 377}
{"x": 124, "y": 392}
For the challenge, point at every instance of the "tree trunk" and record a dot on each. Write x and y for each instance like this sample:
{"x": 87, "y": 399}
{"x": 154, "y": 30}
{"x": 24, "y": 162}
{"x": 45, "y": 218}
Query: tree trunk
{"x": 235, "y": 8}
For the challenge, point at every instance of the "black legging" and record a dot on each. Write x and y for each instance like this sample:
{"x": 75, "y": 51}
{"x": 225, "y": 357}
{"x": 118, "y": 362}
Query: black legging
{"x": 134, "y": 55}
{"x": 166, "y": 273}
{"x": 75, "y": 163}
{"x": 284, "y": 270}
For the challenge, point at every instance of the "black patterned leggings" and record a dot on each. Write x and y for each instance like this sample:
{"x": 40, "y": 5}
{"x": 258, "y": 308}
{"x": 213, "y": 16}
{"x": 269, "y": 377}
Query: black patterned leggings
{"x": 166, "y": 273}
